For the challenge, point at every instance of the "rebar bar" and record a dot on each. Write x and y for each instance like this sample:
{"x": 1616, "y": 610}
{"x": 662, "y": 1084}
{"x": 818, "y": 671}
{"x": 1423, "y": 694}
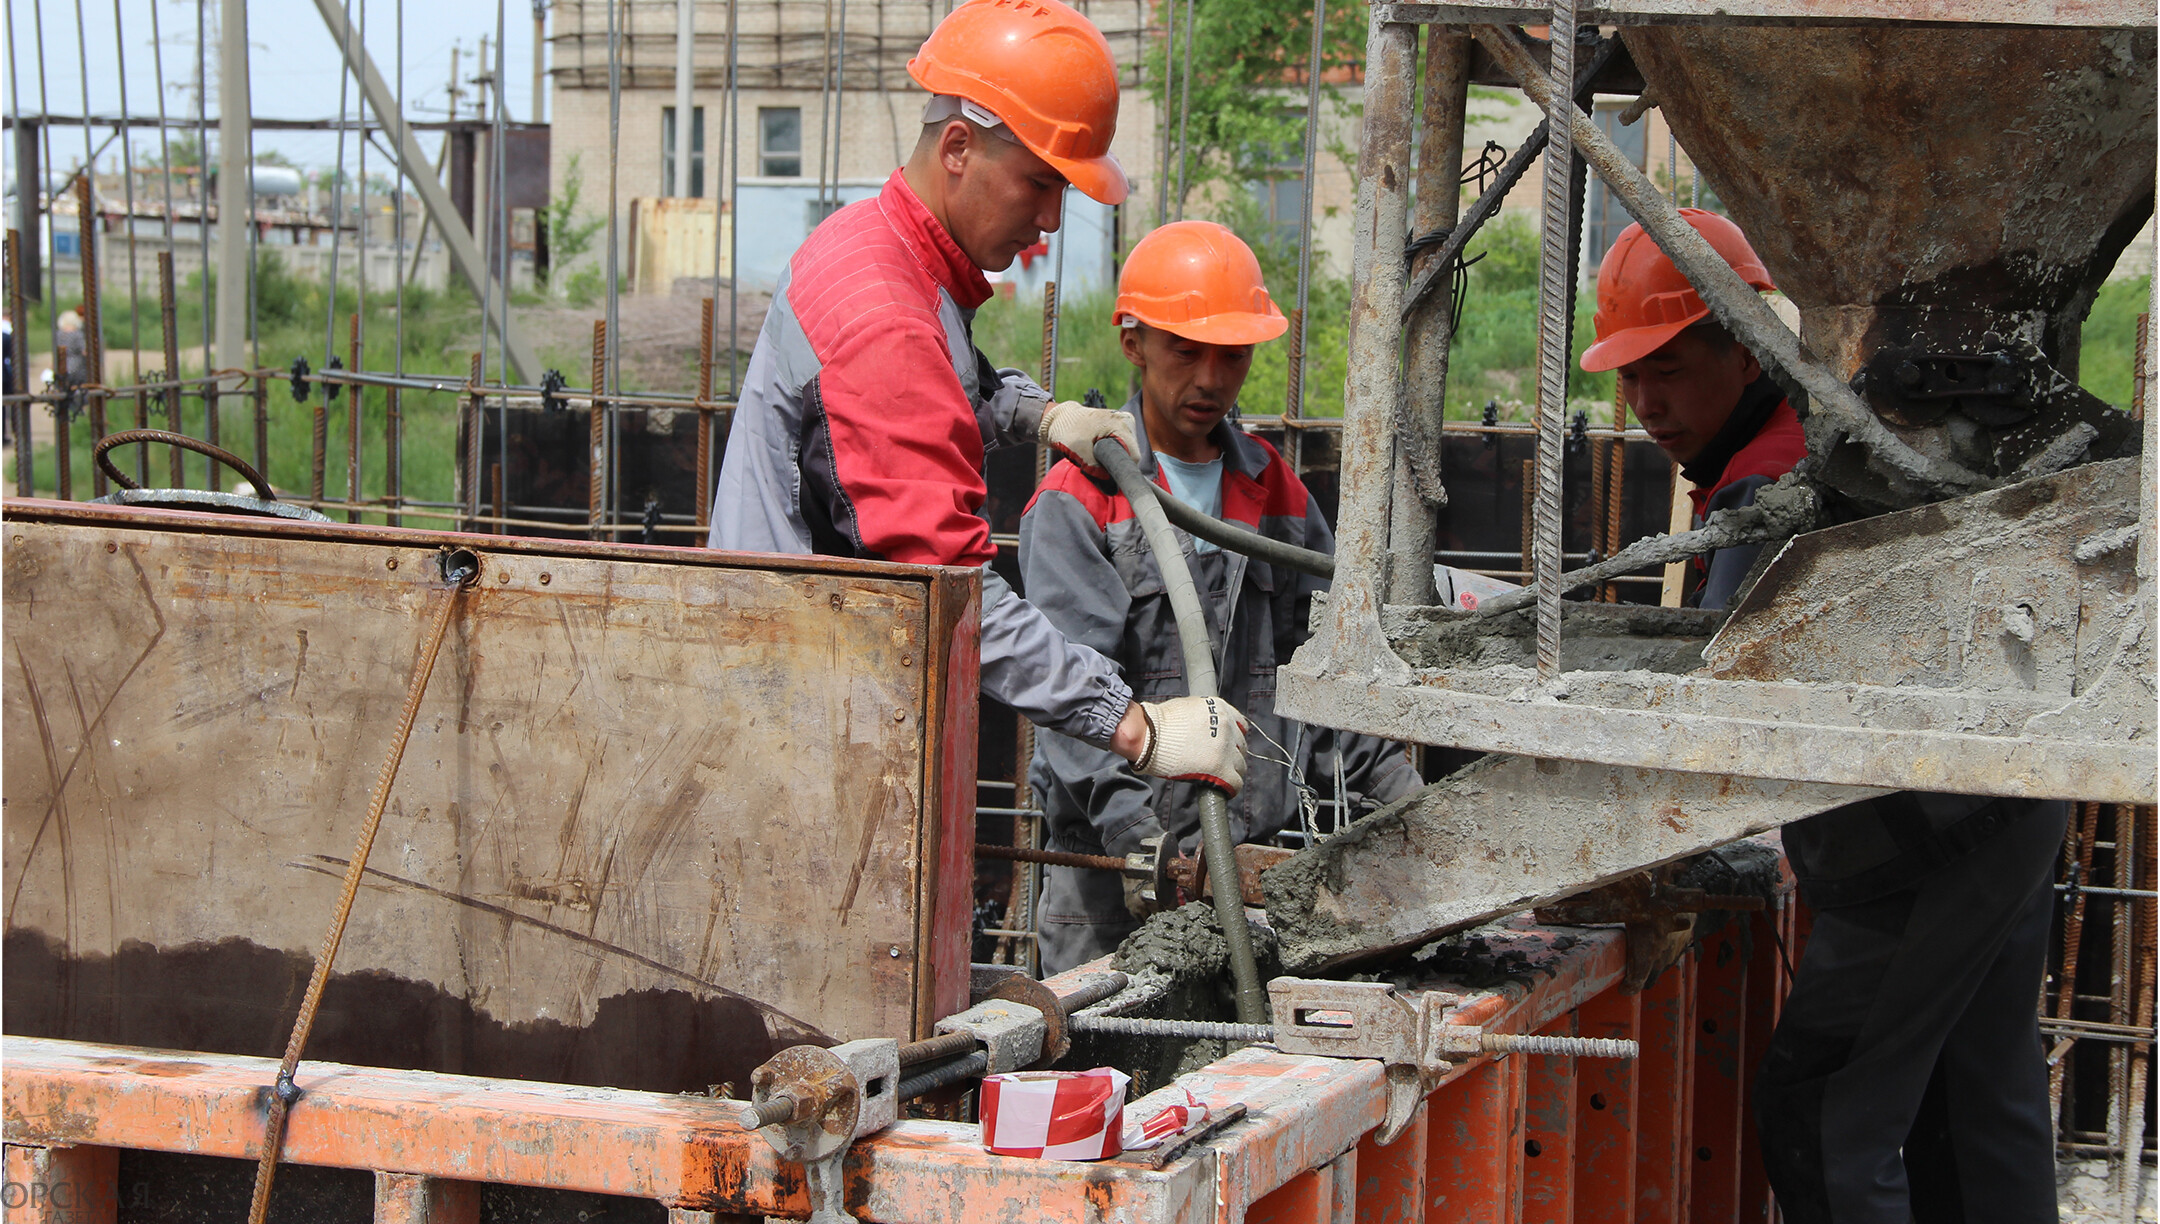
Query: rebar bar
{"x": 169, "y": 329}
{"x": 1554, "y": 281}
{"x": 1195, "y": 1030}
{"x": 1568, "y": 1047}
{"x": 2077, "y": 855}
{"x": 596, "y": 444}
{"x": 352, "y": 403}
{"x": 19, "y": 342}
{"x": 1294, "y": 401}
{"x": 1052, "y": 858}
{"x": 704, "y": 493}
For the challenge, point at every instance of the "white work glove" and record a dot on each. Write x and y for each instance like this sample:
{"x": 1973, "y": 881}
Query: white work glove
{"x": 1073, "y": 427}
{"x": 1194, "y": 739}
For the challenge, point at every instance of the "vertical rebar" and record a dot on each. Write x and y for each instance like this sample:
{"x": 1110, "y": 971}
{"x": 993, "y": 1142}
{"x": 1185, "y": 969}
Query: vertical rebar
{"x": 211, "y": 394}
{"x": 1049, "y": 334}
{"x": 2141, "y": 989}
{"x": 352, "y": 408}
{"x": 1615, "y": 489}
{"x": 260, "y": 393}
{"x": 704, "y": 495}
{"x": 596, "y": 449}
{"x": 1294, "y": 391}
{"x": 393, "y": 439}
{"x": 169, "y": 326}
{"x": 2077, "y": 866}
{"x": 1184, "y": 109}
{"x": 1295, "y": 383}
{"x": 142, "y": 453}
{"x": 734, "y": 179}
{"x": 1162, "y": 115}
{"x": 1553, "y": 296}
{"x": 19, "y": 341}
{"x": 1529, "y": 515}
{"x": 127, "y": 189}
{"x": 601, "y": 382}
{"x": 2122, "y": 1009}
{"x": 318, "y": 449}
{"x": 475, "y": 439}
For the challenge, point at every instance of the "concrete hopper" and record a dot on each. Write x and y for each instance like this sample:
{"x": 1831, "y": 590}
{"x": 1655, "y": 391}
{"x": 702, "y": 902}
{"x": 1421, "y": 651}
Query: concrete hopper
{"x": 1943, "y": 206}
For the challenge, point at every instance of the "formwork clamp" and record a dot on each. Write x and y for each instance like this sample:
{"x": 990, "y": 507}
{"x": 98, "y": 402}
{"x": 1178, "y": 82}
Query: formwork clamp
{"x": 1410, "y": 1035}
{"x": 812, "y": 1103}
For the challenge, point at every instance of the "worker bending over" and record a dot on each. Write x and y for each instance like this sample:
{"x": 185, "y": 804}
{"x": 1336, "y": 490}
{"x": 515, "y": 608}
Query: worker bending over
{"x": 1192, "y": 307}
{"x": 866, "y": 408}
{"x": 1906, "y": 1077}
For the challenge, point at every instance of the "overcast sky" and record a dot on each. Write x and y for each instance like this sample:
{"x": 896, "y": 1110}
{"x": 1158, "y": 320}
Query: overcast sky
{"x": 293, "y": 64}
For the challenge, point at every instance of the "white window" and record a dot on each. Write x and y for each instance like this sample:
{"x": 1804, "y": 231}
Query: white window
{"x": 780, "y": 141}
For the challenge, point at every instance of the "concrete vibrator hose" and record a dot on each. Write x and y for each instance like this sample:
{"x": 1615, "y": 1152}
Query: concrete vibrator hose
{"x": 1215, "y": 838}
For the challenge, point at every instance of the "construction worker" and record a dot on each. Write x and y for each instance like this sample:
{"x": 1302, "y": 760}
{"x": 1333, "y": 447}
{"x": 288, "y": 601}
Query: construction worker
{"x": 1905, "y": 1079}
{"x": 1191, "y": 307}
{"x": 866, "y": 408}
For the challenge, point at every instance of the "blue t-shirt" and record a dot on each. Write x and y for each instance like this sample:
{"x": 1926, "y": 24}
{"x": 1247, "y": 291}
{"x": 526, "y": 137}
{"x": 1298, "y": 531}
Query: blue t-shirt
{"x": 1198, "y": 485}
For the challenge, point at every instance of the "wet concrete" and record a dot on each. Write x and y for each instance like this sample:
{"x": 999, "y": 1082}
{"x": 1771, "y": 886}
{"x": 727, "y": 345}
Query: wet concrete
{"x": 1594, "y": 637}
{"x": 235, "y": 997}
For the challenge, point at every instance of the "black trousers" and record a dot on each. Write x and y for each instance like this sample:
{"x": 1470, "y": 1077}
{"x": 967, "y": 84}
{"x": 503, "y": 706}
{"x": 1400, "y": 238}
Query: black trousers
{"x": 1906, "y": 1080}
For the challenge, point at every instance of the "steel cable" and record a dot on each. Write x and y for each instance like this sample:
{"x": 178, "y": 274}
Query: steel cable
{"x": 285, "y": 1092}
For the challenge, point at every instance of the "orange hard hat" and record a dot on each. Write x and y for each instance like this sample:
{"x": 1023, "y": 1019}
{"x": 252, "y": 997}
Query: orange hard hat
{"x": 1043, "y": 69}
{"x": 1643, "y": 300}
{"x": 1200, "y": 281}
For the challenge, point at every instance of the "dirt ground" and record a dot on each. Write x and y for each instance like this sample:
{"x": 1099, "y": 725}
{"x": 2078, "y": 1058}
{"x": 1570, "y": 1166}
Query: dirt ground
{"x": 658, "y": 344}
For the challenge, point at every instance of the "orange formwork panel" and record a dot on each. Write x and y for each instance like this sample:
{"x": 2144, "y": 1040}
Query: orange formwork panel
{"x": 1605, "y": 1113}
{"x": 1497, "y": 1140}
{"x": 1665, "y": 1095}
{"x": 1722, "y": 1070}
{"x": 1474, "y": 1131}
{"x": 1549, "y": 1133}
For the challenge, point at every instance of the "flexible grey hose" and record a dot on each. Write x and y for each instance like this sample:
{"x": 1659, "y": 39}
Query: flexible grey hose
{"x": 1200, "y": 681}
{"x": 1251, "y": 543}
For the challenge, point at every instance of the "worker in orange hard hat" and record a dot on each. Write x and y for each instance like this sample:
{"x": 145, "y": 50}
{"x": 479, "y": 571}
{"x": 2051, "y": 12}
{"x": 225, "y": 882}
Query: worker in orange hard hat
{"x": 862, "y": 422}
{"x": 1905, "y": 1078}
{"x": 1192, "y": 309}
{"x": 1699, "y": 392}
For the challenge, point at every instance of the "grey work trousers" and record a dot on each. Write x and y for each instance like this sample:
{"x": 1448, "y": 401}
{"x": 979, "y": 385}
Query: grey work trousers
{"x": 1906, "y": 1079}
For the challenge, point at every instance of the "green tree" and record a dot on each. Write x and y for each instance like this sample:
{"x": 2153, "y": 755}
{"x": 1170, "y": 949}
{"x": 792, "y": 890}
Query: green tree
{"x": 1242, "y": 111}
{"x": 570, "y": 235}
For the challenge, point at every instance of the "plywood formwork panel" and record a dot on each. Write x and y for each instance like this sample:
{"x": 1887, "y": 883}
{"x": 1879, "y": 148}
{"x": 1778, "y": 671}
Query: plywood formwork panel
{"x": 662, "y": 811}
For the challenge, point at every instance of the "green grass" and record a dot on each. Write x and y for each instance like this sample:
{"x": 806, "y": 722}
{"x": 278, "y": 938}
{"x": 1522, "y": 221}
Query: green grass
{"x": 2110, "y": 340}
{"x": 440, "y": 331}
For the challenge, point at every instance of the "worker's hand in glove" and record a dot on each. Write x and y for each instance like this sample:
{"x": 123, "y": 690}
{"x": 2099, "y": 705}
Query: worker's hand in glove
{"x": 1073, "y": 427}
{"x": 1194, "y": 739}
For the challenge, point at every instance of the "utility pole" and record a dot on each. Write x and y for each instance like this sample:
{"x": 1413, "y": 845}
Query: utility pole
{"x": 454, "y": 91}
{"x": 685, "y": 71}
{"x": 233, "y": 214}
{"x": 539, "y": 105}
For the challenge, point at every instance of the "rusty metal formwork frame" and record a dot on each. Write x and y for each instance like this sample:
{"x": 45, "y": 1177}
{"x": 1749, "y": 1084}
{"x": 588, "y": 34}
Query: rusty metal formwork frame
{"x": 1665, "y": 1137}
{"x": 1351, "y": 674}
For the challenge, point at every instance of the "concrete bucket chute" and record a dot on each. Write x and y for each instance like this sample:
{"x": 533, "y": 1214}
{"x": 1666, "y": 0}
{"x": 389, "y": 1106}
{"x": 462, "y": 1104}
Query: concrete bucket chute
{"x": 1942, "y": 205}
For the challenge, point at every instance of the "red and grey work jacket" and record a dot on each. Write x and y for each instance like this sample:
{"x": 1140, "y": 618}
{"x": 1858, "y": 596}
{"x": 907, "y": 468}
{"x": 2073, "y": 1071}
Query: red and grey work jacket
{"x": 1086, "y": 563}
{"x": 861, "y": 428}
